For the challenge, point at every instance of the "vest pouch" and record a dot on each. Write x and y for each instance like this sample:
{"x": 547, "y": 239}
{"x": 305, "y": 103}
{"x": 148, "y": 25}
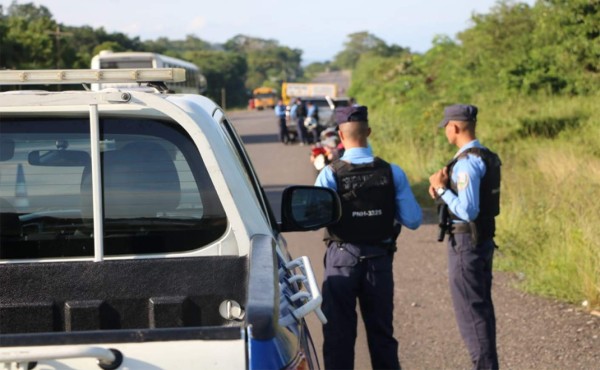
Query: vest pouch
{"x": 338, "y": 256}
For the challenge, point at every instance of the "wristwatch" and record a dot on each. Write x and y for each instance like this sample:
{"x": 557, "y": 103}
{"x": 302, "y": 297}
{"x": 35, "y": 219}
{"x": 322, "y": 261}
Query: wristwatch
{"x": 440, "y": 191}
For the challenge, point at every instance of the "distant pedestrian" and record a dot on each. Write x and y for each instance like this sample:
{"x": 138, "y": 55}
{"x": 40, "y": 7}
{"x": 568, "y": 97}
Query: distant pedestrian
{"x": 281, "y": 122}
{"x": 469, "y": 187}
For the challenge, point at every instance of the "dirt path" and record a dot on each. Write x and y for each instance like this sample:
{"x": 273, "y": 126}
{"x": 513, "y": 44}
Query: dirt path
{"x": 533, "y": 333}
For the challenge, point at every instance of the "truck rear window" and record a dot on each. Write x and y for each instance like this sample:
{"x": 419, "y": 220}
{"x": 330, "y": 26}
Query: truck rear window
{"x": 158, "y": 196}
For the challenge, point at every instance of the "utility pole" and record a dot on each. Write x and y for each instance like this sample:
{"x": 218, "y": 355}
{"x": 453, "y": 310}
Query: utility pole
{"x": 57, "y": 36}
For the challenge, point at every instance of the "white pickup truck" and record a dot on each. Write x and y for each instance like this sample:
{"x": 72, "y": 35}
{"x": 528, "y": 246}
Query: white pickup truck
{"x": 135, "y": 234}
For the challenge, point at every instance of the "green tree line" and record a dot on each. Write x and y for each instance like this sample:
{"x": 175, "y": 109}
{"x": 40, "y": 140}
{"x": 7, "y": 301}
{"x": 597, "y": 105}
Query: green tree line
{"x": 31, "y": 38}
{"x": 534, "y": 72}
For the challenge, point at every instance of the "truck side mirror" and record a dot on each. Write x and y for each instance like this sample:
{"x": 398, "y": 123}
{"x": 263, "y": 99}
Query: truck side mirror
{"x": 306, "y": 208}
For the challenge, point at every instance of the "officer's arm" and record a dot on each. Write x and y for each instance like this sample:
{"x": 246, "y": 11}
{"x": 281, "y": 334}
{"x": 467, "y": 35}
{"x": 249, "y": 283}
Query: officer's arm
{"x": 326, "y": 179}
{"x": 467, "y": 174}
{"x": 408, "y": 211}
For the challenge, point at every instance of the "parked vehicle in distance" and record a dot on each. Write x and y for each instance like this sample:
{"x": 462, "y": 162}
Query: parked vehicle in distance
{"x": 326, "y": 106}
{"x": 135, "y": 233}
{"x": 291, "y": 90}
{"x": 195, "y": 82}
{"x": 264, "y": 97}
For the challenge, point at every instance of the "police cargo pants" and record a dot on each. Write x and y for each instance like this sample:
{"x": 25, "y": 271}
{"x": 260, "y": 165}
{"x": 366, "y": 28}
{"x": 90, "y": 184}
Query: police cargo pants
{"x": 347, "y": 279}
{"x": 470, "y": 276}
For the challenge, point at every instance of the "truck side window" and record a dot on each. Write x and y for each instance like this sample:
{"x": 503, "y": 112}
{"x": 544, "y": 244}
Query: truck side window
{"x": 158, "y": 197}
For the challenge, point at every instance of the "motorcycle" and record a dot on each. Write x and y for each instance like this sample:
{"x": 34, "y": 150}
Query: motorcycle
{"x": 327, "y": 149}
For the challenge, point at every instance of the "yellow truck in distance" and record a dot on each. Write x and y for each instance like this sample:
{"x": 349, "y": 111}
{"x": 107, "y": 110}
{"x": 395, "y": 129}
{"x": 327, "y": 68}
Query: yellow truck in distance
{"x": 305, "y": 90}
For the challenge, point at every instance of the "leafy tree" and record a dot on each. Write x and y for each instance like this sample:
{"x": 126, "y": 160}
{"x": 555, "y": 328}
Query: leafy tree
{"x": 567, "y": 42}
{"x": 245, "y": 44}
{"x": 223, "y": 70}
{"x": 108, "y": 45}
{"x": 269, "y": 63}
{"x": 6, "y": 45}
{"x": 313, "y": 69}
{"x": 499, "y": 44}
{"x": 29, "y": 43}
{"x": 176, "y": 48}
{"x": 360, "y": 43}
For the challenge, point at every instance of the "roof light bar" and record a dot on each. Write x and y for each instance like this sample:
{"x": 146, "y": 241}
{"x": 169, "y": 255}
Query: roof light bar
{"x": 80, "y": 76}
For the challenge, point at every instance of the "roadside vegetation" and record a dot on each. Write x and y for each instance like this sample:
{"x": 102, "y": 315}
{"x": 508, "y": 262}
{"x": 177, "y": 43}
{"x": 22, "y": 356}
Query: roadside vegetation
{"x": 534, "y": 72}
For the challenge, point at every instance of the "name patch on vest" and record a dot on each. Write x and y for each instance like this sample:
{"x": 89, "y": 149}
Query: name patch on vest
{"x": 369, "y": 213}
{"x": 351, "y": 182}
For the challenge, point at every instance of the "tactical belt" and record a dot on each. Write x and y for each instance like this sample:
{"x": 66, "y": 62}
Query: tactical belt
{"x": 469, "y": 228}
{"x": 361, "y": 258}
{"x": 388, "y": 247}
{"x": 460, "y": 228}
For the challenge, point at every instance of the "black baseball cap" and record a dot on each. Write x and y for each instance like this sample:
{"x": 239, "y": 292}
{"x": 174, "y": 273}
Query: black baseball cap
{"x": 459, "y": 112}
{"x": 351, "y": 114}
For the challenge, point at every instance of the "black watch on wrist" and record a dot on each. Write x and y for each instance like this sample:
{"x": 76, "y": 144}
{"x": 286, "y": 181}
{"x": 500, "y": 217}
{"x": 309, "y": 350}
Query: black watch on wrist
{"x": 440, "y": 191}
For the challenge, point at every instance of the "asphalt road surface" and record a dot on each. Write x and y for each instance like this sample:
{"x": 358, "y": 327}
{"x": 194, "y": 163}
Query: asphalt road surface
{"x": 340, "y": 78}
{"x": 533, "y": 332}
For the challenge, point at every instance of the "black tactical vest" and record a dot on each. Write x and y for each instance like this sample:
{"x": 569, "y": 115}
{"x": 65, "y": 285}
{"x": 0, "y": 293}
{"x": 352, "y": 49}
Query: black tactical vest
{"x": 489, "y": 192}
{"x": 368, "y": 198}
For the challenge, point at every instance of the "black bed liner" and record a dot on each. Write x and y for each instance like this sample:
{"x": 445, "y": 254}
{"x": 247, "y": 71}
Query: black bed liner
{"x": 126, "y": 295}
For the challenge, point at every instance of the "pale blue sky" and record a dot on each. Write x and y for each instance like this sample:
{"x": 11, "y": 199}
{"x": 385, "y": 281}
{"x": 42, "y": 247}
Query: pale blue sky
{"x": 318, "y": 27}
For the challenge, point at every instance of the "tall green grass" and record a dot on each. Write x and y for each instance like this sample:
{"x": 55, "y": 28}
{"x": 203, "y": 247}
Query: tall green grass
{"x": 550, "y": 220}
{"x": 549, "y": 226}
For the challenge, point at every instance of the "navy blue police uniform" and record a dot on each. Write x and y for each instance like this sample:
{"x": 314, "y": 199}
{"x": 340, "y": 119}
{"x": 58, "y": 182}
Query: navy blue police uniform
{"x": 282, "y": 123}
{"x": 473, "y": 198}
{"x": 376, "y": 197}
{"x": 300, "y": 117}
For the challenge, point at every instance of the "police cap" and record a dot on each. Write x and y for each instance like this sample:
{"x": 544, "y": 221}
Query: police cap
{"x": 459, "y": 112}
{"x": 351, "y": 114}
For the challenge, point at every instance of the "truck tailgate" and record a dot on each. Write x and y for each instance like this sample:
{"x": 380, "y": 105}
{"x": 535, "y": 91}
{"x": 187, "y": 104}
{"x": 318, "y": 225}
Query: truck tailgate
{"x": 182, "y": 349}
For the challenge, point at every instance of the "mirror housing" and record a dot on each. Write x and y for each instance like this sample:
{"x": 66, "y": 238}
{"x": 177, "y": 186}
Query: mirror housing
{"x": 7, "y": 149}
{"x": 59, "y": 158}
{"x": 306, "y": 208}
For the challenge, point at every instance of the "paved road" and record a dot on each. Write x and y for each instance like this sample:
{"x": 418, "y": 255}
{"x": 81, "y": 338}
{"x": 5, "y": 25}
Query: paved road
{"x": 340, "y": 78}
{"x": 533, "y": 333}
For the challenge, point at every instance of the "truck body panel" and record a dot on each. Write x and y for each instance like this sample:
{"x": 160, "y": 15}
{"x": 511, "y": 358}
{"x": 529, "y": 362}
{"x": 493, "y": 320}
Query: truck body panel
{"x": 135, "y": 232}
{"x": 290, "y": 90}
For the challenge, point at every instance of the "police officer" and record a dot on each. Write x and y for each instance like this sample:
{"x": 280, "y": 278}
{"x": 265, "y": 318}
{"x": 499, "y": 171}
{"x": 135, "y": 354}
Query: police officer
{"x": 300, "y": 117}
{"x": 469, "y": 186}
{"x": 282, "y": 122}
{"x": 376, "y": 197}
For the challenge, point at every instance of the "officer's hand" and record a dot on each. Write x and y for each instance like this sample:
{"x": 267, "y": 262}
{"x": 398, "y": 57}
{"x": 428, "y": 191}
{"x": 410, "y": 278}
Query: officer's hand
{"x": 439, "y": 179}
{"x": 432, "y": 192}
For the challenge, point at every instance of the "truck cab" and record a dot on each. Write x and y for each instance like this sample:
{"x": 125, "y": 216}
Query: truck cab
{"x": 135, "y": 233}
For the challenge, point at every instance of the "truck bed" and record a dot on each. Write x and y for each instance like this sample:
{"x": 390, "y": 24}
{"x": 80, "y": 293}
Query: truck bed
{"x": 119, "y": 294}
